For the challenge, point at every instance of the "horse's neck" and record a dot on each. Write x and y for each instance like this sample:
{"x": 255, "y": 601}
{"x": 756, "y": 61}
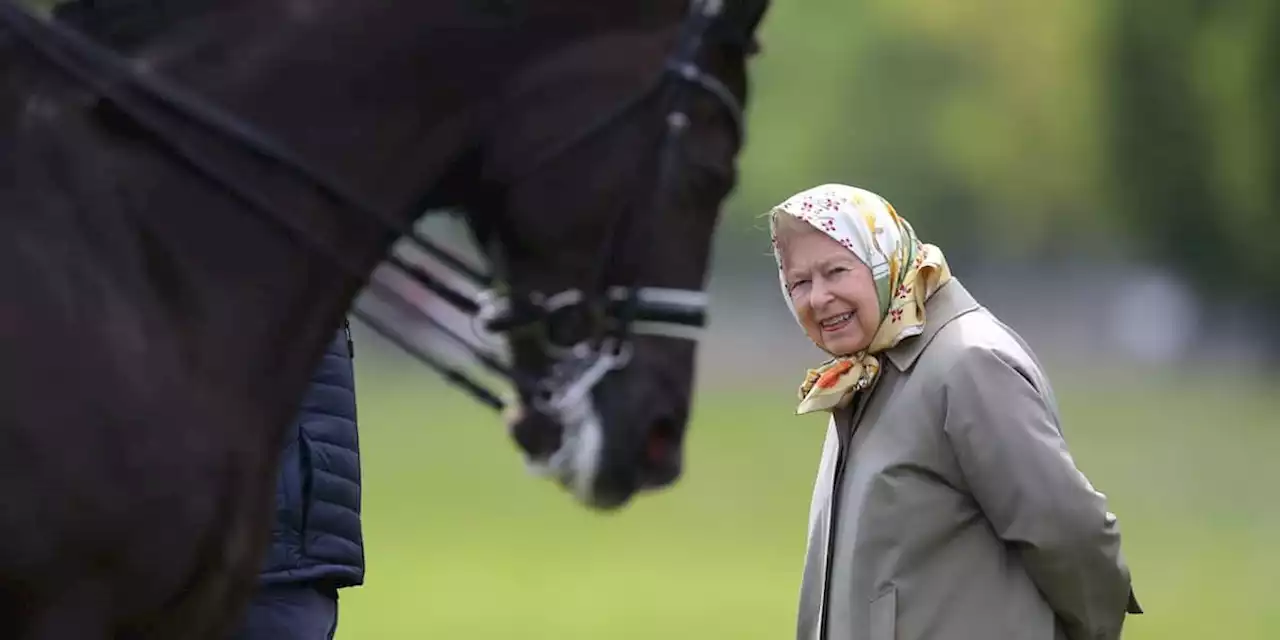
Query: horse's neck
{"x": 385, "y": 94}
{"x": 381, "y": 105}
{"x": 160, "y": 267}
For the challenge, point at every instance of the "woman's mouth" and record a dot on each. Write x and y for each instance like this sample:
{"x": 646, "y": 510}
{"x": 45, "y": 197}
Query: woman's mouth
{"x": 836, "y": 323}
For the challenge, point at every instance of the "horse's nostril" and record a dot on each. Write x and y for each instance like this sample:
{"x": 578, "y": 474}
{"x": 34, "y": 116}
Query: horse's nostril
{"x": 537, "y": 434}
{"x": 661, "y": 438}
{"x": 662, "y": 459}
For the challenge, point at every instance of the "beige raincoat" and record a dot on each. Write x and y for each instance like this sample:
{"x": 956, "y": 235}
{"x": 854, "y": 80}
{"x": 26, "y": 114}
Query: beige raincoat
{"x": 947, "y": 506}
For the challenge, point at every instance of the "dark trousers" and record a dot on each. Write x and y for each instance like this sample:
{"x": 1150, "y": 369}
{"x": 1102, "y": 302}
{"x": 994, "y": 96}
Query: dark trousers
{"x": 291, "y": 612}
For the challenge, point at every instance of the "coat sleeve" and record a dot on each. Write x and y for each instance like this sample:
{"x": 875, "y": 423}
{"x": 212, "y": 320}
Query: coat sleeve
{"x": 1006, "y": 439}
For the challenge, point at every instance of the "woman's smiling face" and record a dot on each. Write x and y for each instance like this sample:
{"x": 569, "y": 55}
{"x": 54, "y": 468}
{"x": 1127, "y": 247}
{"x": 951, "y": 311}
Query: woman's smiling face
{"x": 833, "y": 292}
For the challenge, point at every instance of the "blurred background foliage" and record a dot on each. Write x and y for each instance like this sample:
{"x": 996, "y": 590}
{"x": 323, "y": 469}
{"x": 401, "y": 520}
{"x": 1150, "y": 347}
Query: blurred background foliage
{"x": 1141, "y": 128}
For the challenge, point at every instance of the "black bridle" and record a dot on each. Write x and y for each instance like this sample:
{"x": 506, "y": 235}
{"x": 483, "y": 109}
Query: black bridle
{"x": 625, "y": 307}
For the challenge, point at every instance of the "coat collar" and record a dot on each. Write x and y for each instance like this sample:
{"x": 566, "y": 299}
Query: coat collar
{"x": 949, "y": 302}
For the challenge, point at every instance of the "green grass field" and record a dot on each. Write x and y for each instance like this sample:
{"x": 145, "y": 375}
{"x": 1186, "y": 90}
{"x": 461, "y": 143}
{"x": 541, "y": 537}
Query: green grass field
{"x": 462, "y": 543}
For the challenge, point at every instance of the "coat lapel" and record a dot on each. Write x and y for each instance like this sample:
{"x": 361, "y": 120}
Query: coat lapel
{"x": 949, "y": 302}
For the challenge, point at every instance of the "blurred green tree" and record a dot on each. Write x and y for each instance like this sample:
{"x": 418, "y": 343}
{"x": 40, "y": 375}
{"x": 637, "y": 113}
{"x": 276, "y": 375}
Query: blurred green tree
{"x": 978, "y": 121}
{"x": 1193, "y": 89}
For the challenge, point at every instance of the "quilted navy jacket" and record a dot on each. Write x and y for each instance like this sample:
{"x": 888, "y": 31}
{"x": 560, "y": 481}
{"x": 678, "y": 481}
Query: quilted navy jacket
{"x": 317, "y": 534}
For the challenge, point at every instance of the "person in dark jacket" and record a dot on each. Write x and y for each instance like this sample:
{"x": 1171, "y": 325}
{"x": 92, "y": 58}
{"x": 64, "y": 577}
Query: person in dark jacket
{"x": 317, "y": 542}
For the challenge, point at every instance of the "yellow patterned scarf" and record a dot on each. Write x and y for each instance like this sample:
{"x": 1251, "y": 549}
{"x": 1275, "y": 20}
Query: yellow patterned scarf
{"x": 906, "y": 272}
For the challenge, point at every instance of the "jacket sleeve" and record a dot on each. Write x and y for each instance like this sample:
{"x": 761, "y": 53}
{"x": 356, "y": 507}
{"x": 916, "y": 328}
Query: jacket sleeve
{"x": 1006, "y": 439}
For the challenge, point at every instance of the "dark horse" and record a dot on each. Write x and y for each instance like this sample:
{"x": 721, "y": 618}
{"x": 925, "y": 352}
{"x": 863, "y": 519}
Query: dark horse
{"x": 180, "y": 235}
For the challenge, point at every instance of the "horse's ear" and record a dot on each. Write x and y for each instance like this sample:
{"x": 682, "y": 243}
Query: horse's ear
{"x": 738, "y": 22}
{"x": 753, "y": 13}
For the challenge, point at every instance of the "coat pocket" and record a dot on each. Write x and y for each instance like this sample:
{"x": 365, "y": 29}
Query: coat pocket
{"x": 884, "y": 615}
{"x": 289, "y": 487}
{"x": 306, "y": 482}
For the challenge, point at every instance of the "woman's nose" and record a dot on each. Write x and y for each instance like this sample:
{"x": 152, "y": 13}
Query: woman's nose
{"x": 819, "y": 294}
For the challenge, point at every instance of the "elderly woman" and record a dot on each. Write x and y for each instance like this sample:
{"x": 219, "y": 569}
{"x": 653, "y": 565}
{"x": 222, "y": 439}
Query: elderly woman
{"x": 946, "y": 504}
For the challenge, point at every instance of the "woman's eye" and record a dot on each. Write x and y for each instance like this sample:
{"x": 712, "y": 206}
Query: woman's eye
{"x": 796, "y": 285}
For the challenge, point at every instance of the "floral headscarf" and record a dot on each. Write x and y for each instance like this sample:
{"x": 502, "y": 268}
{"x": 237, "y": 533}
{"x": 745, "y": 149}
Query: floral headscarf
{"x": 906, "y": 273}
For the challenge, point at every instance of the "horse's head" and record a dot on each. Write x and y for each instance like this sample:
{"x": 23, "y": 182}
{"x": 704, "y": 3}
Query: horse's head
{"x": 606, "y": 180}
{"x": 591, "y": 143}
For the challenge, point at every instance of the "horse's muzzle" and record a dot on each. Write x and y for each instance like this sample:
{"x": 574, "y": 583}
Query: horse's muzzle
{"x": 602, "y": 468}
